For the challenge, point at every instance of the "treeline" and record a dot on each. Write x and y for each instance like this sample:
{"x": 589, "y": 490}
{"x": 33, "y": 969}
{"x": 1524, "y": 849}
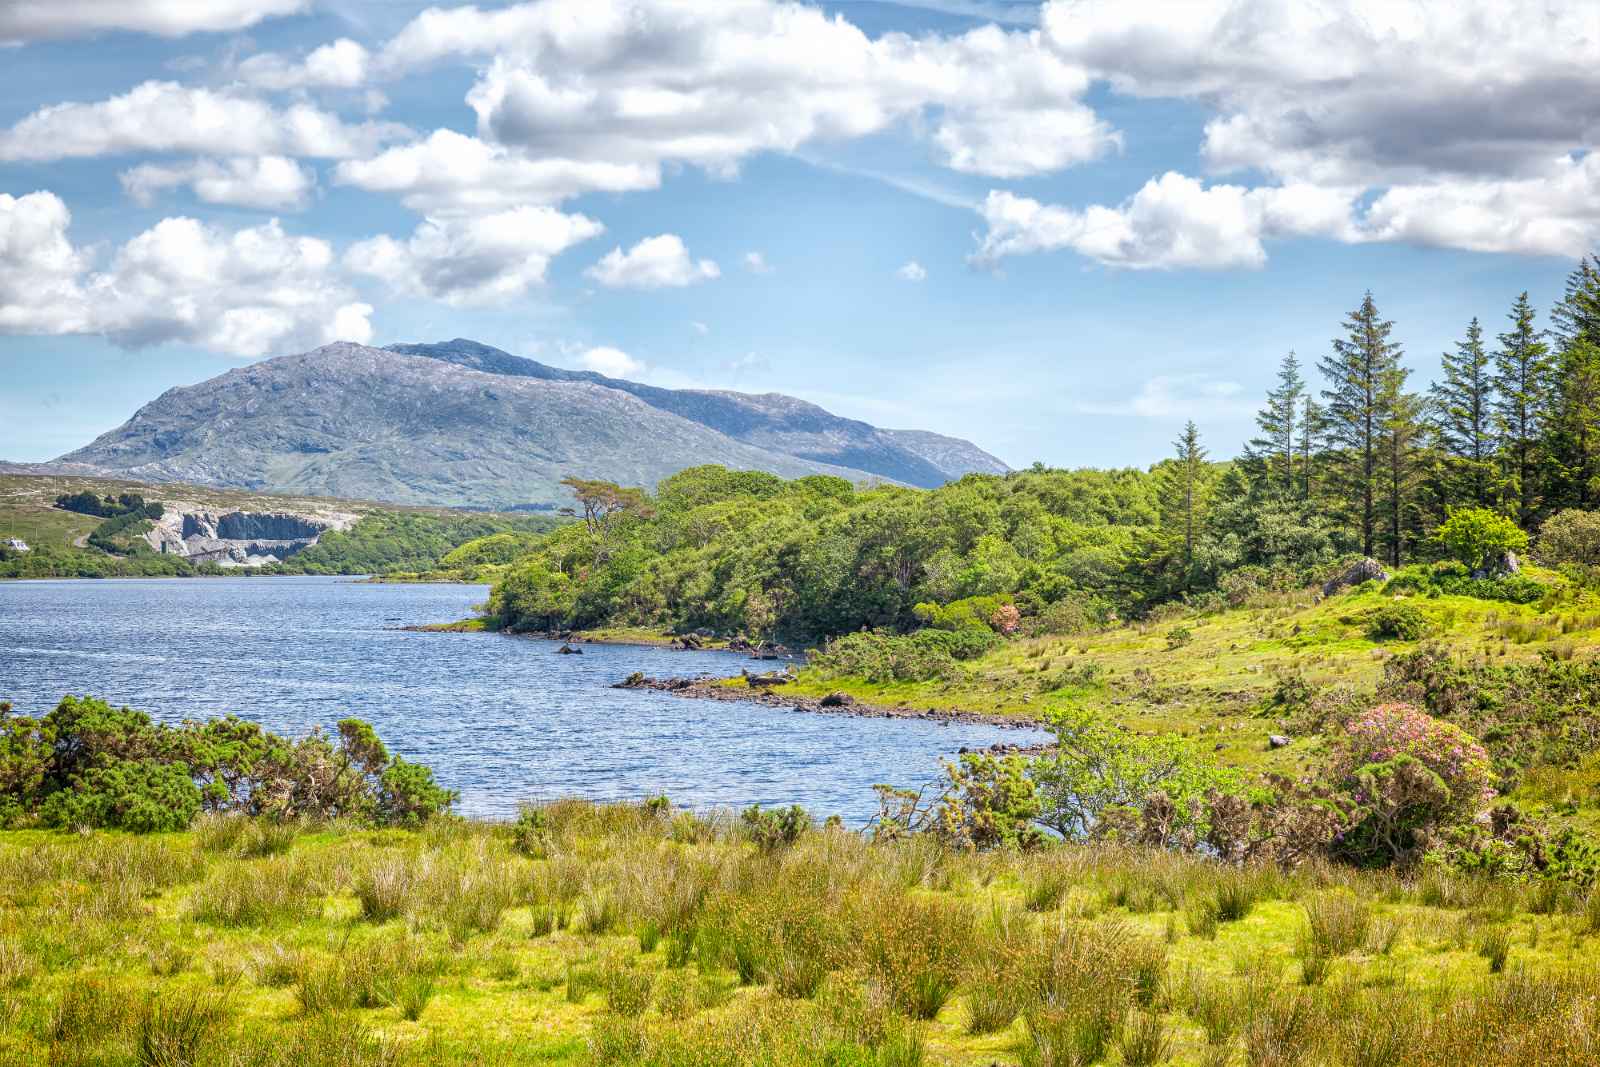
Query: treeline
{"x": 1368, "y": 463}
{"x": 1361, "y": 465}
{"x": 108, "y": 507}
{"x": 391, "y": 542}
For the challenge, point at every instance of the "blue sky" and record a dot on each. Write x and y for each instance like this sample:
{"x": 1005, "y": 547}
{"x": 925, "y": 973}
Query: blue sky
{"x": 1055, "y": 230}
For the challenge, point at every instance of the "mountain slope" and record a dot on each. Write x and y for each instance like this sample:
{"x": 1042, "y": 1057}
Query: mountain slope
{"x": 769, "y": 420}
{"x": 352, "y": 421}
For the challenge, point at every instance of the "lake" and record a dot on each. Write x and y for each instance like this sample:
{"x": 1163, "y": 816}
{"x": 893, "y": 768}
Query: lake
{"x": 500, "y": 719}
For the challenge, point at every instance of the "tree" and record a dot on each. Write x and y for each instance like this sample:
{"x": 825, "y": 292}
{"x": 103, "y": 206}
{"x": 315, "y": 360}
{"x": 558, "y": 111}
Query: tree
{"x": 1572, "y": 432}
{"x": 1463, "y": 405}
{"x": 601, "y": 500}
{"x": 1576, "y": 317}
{"x": 1274, "y": 450}
{"x": 1181, "y": 491}
{"x": 1401, "y": 432}
{"x": 1355, "y": 414}
{"x": 1313, "y": 425}
{"x": 1479, "y": 537}
{"x": 1522, "y": 382}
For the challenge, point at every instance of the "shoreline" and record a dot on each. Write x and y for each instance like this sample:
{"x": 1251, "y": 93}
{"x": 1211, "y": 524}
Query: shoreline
{"x": 708, "y": 688}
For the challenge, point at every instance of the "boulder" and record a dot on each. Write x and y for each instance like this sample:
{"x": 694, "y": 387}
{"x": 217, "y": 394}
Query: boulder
{"x": 568, "y": 650}
{"x": 1362, "y": 570}
{"x": 837, "y": 700}
{"x": 1277, "y": 741}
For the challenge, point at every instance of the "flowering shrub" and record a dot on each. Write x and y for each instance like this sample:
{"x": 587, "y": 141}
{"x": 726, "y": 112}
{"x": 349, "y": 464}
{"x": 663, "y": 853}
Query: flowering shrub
{"x": 1006, "y": 619}
{"x": 1408, "y": 775}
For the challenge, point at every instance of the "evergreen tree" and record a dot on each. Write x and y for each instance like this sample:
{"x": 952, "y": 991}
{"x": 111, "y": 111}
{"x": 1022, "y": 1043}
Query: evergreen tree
{"x": 1181, "y": 494}
{"x": 1355, "y": 373}
{"x": 1522, "y": 382}
{"x": 1576, "y": 316}
{"x": 1572, "y": 436}
{"x": 1273, "y": 452}
{"x": 1312, "y": 428}
{"x": 1400, "y": 471}
{"x": 1463, "y": 418}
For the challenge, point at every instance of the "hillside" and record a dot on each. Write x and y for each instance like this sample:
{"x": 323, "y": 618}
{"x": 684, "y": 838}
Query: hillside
{"x": 205, "y": 530}
{"x": 466, "y": 425}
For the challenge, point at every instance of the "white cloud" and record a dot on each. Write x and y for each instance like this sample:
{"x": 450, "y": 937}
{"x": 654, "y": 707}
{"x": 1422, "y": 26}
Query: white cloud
{"x": 168, "y": 117}
{"x": 249, "y": 292}
{"x": 1467, "y": 124}
{"x": 700, "y": 328}
{"x": 1171, "y": 396}
{"x": 271, "y": 183}
{"x": 452, "y": 173}
{"x": 654, "y": 263}
{"x": 340, "y": 64}
{"x": 611, "y": 362}
{"x": 485, "y": 259}
{"x": 647, "y": 82}
{"x": 38, "y": 20}
{"x": 1173, "y": 221}
{"x": 756, "y": 263}
{"x": 39, "y": 267}
{"x": 912, "y": 272}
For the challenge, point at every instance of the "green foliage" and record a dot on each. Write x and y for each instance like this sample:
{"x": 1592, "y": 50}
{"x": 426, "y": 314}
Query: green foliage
{"x": 1451, "y": 578}
{"x": 88, "y": 503}
{"x": 89, "y": 764}
{"x": 1396, "y": 622}
{"x": 388, "y": 542}
{"x": 1570, "y": 539}
{"x": 1479, "y": 538}
{"x": 775, "y": 829}
{"x": 881, "y": 658}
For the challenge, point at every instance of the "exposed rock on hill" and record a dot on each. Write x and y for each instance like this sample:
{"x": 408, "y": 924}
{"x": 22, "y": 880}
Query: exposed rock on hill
{"x": 463, "y": 424}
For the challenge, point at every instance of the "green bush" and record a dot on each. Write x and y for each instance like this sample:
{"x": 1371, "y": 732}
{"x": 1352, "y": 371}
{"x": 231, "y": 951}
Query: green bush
{"x": 1396, "y": 622}
{"x": 144, "y": 796}
{"x": 882, "y": 657}
{"x": 1478, "y": 537}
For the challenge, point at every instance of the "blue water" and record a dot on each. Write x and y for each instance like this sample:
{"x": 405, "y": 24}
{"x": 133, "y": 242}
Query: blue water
{"x": 501, "y": 719}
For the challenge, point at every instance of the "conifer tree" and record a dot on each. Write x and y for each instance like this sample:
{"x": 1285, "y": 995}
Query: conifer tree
{"x": 1312, "y": 428}
{"x": 1273, "y": 452}
{"x": 1572, "y": 436}
{"x": 1463, "y": 405}
{"x": 1355, "y": 416}
{"x": 1400, "y": 470}
{"x": 1522, "y": 384}
{"x": 1181, "y": 493}
{"x": 1576, "y": 316}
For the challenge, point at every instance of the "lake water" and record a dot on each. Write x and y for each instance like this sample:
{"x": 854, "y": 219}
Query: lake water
{"x": 500, "y": 719}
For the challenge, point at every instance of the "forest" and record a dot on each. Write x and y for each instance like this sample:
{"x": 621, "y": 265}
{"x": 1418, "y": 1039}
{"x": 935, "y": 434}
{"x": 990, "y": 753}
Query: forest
{"x": 1357, "y": 463}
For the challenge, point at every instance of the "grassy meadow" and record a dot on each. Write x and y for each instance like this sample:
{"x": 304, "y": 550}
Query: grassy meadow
{"x": 630, "y": 934}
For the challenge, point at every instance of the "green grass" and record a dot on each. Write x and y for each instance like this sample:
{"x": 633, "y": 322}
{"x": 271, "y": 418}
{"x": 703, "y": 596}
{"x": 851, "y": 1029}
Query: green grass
{"x": 120, "y": 950}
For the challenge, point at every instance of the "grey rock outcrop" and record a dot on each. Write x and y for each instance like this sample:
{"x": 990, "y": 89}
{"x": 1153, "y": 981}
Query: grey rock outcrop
{"x": 1362, "y": 570}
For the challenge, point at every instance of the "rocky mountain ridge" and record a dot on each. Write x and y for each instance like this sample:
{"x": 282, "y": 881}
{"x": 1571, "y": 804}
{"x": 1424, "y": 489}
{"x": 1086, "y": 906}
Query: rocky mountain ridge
{"x": 462, "y": 424}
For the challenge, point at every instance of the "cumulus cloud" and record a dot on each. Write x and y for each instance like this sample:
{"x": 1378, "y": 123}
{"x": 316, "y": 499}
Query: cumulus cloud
{"x": 912, "y": 272}
{"x": 40, "y": 20}
{"x": 270, "y": 183}
{"x": 171, "y": 118}
{"x": 484, "y": 259}
{"x": 249, "y": 292}
{"x": 654, "y": 263}
{"x": 452, "y": 173}
{"x": 756, "y": 263}
{"x": 647, "y": 82}
{"x": 1173, "y": 221}
{"x": 340, "y": 64}
{"x": 612, "y": 362}
{"x": 1445, "y": 114}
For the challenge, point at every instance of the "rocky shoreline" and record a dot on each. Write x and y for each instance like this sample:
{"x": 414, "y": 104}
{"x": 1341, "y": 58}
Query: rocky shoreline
{"x": 768, "y": 691}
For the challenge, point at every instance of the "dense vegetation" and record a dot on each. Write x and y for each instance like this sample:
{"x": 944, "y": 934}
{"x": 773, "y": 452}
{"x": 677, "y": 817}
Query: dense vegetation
{"x": 390, "y": 542}
{"x": 88, "y": 765}
{"x": 635, "y": 935}
{"x": 1508, "y": 437}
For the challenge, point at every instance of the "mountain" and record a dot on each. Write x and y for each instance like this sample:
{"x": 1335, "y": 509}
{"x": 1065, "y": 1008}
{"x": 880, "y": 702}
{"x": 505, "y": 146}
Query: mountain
{"x": 768, "y": 420}
{"x": 462, "y": 424}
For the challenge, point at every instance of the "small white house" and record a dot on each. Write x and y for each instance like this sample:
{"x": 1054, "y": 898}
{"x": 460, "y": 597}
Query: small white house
{"x": 17, "y": 544}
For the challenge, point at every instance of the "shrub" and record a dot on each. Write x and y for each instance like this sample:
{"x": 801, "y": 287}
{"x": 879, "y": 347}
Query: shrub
{"x": 881, "y": 657}
{"x": 1571, "y": 538}
{"x": 775, "y": 829}
{"x": 1479, "y": 538}
{"x": 144, "y": 796}
{"x": 1396, "y": 622}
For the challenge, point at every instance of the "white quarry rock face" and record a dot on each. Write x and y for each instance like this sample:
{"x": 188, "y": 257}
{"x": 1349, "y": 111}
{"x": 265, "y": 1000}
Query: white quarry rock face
{"x": 237, "y": 538}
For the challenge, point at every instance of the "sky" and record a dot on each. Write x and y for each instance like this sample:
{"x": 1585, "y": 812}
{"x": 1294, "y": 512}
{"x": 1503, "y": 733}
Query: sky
{"x": 1058, "y": 230}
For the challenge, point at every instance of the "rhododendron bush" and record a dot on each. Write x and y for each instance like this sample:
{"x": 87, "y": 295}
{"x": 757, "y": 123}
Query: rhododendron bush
{"x": 1408, "y": 775}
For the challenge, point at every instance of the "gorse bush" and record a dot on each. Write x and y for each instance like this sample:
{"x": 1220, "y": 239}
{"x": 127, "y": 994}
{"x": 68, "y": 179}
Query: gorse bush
{"x": 87, "y": 764}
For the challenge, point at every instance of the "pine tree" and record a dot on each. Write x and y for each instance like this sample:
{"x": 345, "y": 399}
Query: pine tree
{"x": 1522, "y": 382}
{"x": 1400, "y": 472}
{"x": 1355, "y": 415}
{"x": 1572, "y": 434}
{"x": 1273, "y": 452}
{"x": 1312, "y": 429}
{"x": 1181, "y": 492}
{"x": 1463, "y": 418}
{"x": 1576, "y": 316}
